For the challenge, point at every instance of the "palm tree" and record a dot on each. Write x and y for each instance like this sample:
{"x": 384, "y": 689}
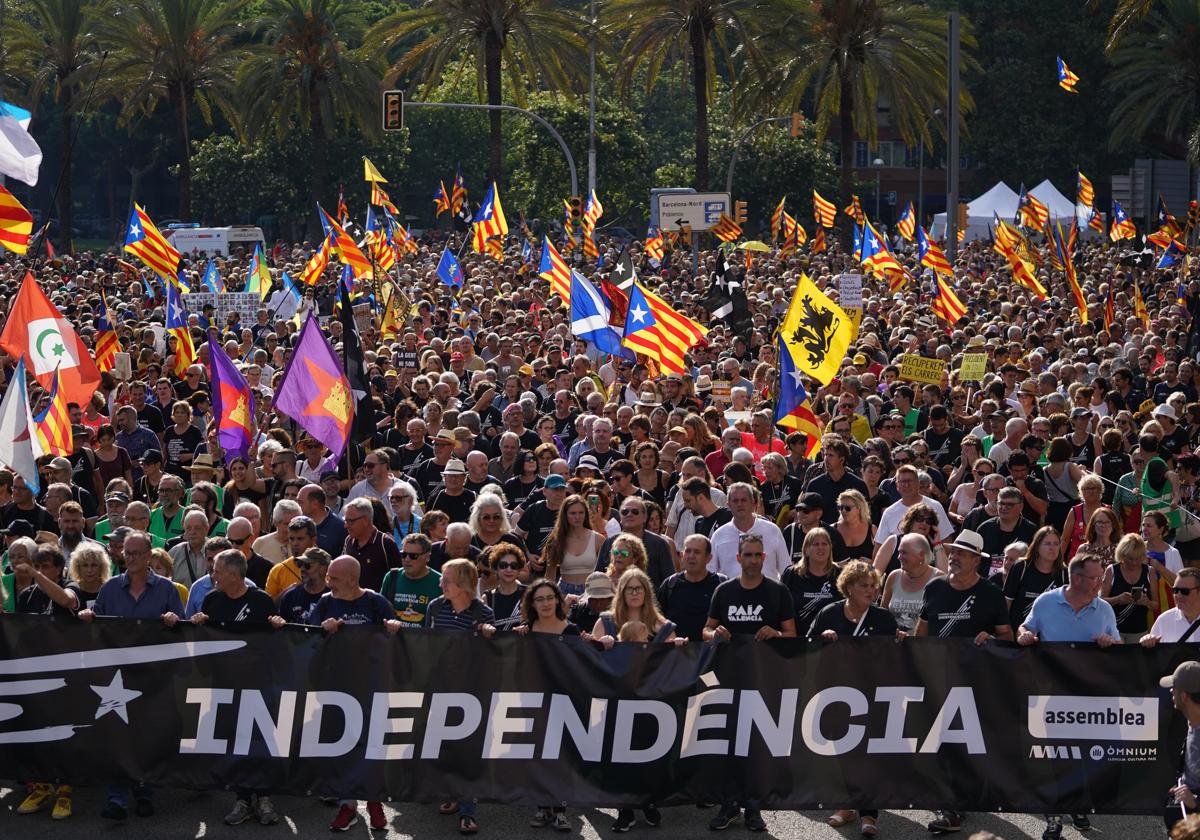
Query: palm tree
{"x": 57, "y": 44}
{"x": 1155, "y": 79}
{"x": 183, "y": 51}
{"x": 658, "y": 33}
{"x": 849, "y": 56}
{"x": 1125, "y": 18}
{"x": 533, "y": 41}
{"x": 305, "y": 70}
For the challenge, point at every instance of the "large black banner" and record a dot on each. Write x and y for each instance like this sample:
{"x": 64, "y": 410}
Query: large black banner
{"x": 430, "y": 716}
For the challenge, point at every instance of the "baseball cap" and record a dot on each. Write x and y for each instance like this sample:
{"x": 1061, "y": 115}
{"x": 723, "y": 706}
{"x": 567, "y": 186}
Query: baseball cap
{"x": 117, "y": 496}
{"x": 327, "y": 475}
{"x": 555, "y": 482}
{"x": 810, "y": 502}
{"x": 1079, "y": 412}
{"x": 19, "y": 528}
{"x": 60, "y": 463}
{"x": 1186, "y": 677}
{"x": 152, "y": 456}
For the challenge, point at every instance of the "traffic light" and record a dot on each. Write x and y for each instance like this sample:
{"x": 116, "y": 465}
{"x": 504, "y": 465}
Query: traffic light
{"x": 797, "y": 123}
{"x": 739, "y": 212}
{"x": 576, "y": 204}
{"x": 393, "y": 110}
{"x": 962, "y": 215}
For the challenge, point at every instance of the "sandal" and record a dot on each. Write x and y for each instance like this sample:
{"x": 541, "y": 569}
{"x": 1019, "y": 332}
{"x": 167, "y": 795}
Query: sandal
{"x": 467, "y": 825}
{"x": 867, "y": 827}
{"x": 448, "y": 809}
{"x": 840, "y": 819}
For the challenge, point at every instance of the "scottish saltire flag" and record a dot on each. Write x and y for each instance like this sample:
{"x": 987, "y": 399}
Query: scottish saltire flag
{"x": 449, "y": 270}
{"x": 589, "y": 318}
{"x": 289, "y": 286}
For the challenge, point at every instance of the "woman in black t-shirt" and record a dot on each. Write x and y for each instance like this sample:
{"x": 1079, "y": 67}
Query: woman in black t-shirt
{"x": 813, "y": 580}
{"x": 1042, "y": 569}
{"x": 180, "y": 441}
{"x": 544, "y": 610}
{"x": 857, "y": 615}
{"x": 505, "y": 599}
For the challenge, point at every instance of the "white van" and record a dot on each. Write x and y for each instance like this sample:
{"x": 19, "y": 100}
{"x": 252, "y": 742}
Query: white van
{"x": 215, "y": 240}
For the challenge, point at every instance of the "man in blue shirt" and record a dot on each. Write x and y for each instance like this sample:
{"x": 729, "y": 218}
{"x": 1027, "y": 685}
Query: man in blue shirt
{"x": 136, "y": 593}
{"x": 1072, "y": 613}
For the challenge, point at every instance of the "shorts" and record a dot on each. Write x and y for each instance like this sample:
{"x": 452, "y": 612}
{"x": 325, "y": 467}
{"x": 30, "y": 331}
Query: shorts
{"x": 571, "y": 588}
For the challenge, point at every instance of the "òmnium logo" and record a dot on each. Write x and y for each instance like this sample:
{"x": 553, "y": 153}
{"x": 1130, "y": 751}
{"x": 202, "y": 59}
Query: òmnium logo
{"x": 1078, "y": 718}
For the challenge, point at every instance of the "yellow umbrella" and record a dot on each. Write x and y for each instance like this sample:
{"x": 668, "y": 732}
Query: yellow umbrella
{"x": 754, "y": 245}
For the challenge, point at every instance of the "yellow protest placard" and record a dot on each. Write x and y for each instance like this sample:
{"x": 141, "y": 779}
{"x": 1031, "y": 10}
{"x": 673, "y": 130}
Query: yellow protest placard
{"x": 974, "y": 366}
{"x": 919, "y": 369}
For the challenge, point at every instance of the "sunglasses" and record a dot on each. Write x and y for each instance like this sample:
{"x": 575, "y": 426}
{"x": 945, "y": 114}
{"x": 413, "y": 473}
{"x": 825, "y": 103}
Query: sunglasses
{"x": 619, "y": 552}
{"x": 509, "y": 564}
{"x": 242, "y": 541}
{"x": 414, "y": 555}
{"x": 845, "y": 508}
{"x": 1183, "y": 590}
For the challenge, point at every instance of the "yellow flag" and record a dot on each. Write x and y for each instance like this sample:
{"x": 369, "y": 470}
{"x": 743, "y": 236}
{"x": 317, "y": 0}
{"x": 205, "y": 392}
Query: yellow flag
{"x": 370, "y": 173}
{"x": 816, "y": 332}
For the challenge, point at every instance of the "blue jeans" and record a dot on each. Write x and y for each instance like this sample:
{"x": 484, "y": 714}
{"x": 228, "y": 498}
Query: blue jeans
{"x": 118, "y": 794}
{"x": 466, "y": 809}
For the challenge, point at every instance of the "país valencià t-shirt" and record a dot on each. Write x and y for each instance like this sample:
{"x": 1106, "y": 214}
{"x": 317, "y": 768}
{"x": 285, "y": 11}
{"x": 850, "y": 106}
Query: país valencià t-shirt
{"x": 410, "y": 598}
{"x": 368, "y": 608}
{"x": 963, "y": 613}
{"x": 745, "y": 611}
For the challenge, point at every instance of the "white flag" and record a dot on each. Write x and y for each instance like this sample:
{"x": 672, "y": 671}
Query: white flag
{"x": 19, "y": 446}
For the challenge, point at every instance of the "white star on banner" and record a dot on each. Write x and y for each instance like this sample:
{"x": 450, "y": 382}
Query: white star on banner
{"x": 114, "y": 697}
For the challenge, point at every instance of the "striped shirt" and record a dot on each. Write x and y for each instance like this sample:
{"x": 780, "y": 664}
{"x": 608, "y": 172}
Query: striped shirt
{"x": 441, "y": 615}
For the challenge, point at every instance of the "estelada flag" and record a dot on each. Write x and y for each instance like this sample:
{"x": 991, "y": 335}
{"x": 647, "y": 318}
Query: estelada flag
{"x": 37, "y": 330}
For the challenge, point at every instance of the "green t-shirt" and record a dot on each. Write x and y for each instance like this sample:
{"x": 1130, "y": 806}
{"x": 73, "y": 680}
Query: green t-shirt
{"x": 10, "y": 596}
{"x": 166, "y": 530}
{"x": 410, "y": 598}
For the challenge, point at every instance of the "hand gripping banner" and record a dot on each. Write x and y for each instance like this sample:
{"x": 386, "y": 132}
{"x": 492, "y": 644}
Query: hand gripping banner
{"x": 918, "y": 723}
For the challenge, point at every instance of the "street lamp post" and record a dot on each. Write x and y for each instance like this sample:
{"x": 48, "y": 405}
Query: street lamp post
{"x": 937, "y": 112}
{"x": 878, "y": 162}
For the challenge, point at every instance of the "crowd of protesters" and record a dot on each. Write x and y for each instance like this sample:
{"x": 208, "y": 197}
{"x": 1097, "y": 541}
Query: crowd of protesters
{"x": 519, "y": 481}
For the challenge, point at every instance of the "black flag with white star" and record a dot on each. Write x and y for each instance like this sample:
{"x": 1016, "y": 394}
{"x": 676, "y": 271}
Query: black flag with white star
{"x": 623, "y": 273}
{"x": 725, "y": 299}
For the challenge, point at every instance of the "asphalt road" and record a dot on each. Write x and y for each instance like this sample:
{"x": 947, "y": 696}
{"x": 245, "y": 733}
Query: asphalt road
{"x": 187, "y": 814}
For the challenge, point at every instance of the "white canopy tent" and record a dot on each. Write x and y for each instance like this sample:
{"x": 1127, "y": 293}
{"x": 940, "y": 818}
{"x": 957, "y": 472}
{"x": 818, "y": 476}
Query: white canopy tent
{"x": 1001, "y": 200}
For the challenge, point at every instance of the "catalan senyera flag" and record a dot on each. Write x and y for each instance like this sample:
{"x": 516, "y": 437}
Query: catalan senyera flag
{"x": 1096, "y": 221}
{"x": 1166, "y": 221}
{"x": 1066, "y": 79}
{"x": 1073, "y": 236}
{"x": 793, "y": 410}
{"x": 1139, "y": 305}
{"x": 931, "y": 255}
{"x": 907, "y": 223}
{"x": 879, "y": 260}
{"x": 653, "y": 247}
{"x": 16, "y": 224}
{"x": 1110, "y": 310}
{"x": 317, "y": 263}
{"x": 53, "y": 424}
{"x": 380, "y": 198}
{"x": 343, "y": 211}
{"x": 1085, "y": 194}
{"x": 1068, "y": 264}
{"x": 392, "y": 321}
{"x": 777, "y": 219}
{"x": 794, "y": 236}
{"x": 1122, "y": 226}
{"x": 726, "y": 229}
{"x": 824, "y": 211}
{"x": 494, "y": 248}
{"x": 458, "y": 192}
{"x": 348, "y": 251}
{"x": 1032, "y": 213}
{"x": 592, "y": 212}
{"x": 177, "y": 325}
{"x": 654, "y": 329}
{"x": 818, "y": 244}
{"x": 854, "y": 211}
{"x": 106, "y": 344}
{"x": 946, "y": 304}
{"x": 1012, "y": 246}
{"x": 441, "y": 201}
{"x": 554, "y": 269}
{"x": 143, "y": 240}
{"x": 816, "y": 331}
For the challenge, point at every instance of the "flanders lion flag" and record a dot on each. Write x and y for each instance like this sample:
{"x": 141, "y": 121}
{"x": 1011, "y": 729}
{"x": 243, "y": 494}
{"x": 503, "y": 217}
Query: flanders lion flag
{"x": 816, "y": 332}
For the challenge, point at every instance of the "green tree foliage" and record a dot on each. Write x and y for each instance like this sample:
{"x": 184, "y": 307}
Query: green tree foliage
{"x": 846, "y": 56}
{"x": 532, "y": 43}
{"x": 700, "y": 34}
{"x": 55, "y": 39}
{"x": 308, "y": 74}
